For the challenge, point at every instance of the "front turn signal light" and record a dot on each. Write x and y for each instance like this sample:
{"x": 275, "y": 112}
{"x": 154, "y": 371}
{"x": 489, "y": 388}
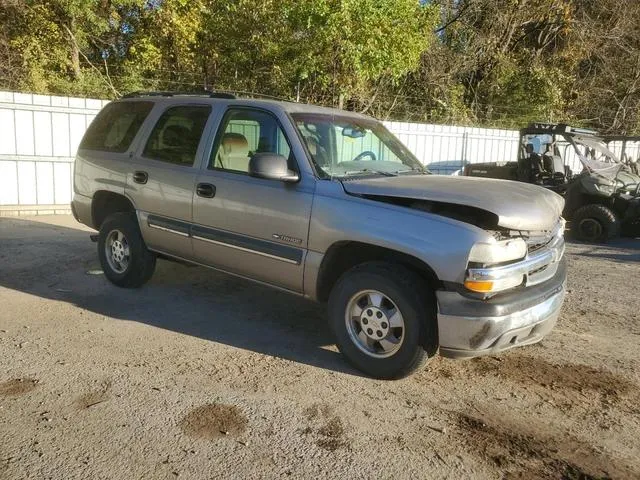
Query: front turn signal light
{"x": 479, "y": 286}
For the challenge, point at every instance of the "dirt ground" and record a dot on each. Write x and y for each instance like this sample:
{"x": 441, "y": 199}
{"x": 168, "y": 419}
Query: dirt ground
{"x": 201, "y": 375}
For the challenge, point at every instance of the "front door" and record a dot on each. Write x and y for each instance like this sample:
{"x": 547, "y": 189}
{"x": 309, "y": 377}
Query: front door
{"x": 245, "y": 225}
{"x": 163, "y": 176}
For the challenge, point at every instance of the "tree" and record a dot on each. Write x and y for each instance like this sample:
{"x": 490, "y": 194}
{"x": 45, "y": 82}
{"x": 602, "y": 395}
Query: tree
{"x": 606, "y": 94}
{"x": 491, "y": 62}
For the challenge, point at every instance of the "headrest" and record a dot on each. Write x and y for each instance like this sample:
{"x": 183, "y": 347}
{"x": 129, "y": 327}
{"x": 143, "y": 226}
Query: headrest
{"x": 235, "y": 144}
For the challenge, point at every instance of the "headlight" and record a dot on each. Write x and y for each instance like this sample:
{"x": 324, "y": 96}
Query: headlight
{"x": 498, "y": 252}
{"x": 491, "y": 254}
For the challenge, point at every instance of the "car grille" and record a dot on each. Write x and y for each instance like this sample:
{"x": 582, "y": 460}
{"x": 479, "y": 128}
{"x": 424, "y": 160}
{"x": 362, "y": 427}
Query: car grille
{"x": 539, "y": 240}
{"x": 550, "y": 247}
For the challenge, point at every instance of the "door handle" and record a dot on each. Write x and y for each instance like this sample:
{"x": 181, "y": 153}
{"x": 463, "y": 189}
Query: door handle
{"x": 140, "y": 177}
{"x": 206, "y": 190}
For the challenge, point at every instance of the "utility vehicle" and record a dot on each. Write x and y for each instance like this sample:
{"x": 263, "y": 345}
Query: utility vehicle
{"x": 602, "y": 192}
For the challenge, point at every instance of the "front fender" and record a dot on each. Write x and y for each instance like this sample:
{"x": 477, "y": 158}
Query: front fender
{"x": 442, "y": 243}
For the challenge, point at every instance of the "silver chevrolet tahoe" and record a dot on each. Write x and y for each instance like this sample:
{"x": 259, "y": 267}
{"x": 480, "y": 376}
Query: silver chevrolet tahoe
{"x": 329, "y": 205}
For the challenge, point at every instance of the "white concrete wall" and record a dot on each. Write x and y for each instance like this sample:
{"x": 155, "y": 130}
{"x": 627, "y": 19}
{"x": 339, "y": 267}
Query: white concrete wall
{"x": 39, "y": 135}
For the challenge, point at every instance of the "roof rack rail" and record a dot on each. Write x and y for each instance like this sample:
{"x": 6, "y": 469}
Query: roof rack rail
{"x": 556, "y": 128}
{"x": 243, "y": 93}
{"x": 228, "y": 94}
{"x": 196, "y": 93}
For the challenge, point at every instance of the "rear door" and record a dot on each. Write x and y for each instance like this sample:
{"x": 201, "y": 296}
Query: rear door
{"x": 252, "y": 226}
{"x": 161, "y": 180}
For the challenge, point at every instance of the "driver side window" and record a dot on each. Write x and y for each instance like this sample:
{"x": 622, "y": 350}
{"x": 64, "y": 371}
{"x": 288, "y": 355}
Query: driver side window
{"x": 245, "y": 132}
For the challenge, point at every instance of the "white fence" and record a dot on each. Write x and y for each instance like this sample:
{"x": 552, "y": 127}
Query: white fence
{"x": 39, "y": 135}
{"x": 446, "y": 149}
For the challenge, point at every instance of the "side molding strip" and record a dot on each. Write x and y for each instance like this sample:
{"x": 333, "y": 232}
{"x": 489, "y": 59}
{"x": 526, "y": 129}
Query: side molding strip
{"x": 265, "y": 248}
{"x": 168, "y": 225}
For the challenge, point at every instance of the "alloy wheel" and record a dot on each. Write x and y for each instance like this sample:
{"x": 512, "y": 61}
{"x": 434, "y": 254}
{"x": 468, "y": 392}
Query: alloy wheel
{"x": 117, "y": 251}
{"x": 374, "y": 323}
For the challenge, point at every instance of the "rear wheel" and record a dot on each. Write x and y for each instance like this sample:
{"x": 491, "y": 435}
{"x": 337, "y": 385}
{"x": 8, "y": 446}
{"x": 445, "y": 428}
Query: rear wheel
{"x": 123, "y": 255}
{"x": 383, "y": 318}
{"x": 594, "y": 223}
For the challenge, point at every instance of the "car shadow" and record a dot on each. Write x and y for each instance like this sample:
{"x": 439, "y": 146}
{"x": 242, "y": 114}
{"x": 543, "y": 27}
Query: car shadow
{"x": 622, "y": 250}
{"x": 58, "y": 262}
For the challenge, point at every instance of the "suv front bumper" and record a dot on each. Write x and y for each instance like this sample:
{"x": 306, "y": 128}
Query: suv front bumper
{"x": 468, "y": 327}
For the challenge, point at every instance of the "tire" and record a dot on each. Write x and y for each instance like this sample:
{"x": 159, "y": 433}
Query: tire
{"x": 594, "y": 223}
{"x": 407, "y": 347}
{"x": 130, "y": 265}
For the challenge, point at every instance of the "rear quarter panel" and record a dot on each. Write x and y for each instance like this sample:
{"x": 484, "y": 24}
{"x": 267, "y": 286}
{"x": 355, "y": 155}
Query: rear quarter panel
{"x": 107, "y": 171}
{"x": 95, "y": 171}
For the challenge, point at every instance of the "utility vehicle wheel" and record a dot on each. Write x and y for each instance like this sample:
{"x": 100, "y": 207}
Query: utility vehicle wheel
{"x": 123, "y": 255}
{"x": 594, "y": 223}
{"x": 384, "y": 319}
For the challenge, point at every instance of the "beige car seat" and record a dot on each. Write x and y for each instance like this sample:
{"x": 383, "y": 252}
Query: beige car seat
{"x": 233, "y": 153}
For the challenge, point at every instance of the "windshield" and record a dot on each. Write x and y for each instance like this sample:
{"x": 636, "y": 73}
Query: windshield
{"x": 595, "y": 155}
{"x": 344, "y": 146}
{"x": 539, "y": 143}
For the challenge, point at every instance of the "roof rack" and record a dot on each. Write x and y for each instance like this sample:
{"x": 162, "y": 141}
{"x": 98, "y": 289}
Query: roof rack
{"x": 197, "y": 93}
{"x": 264, "y": 96}
{"x": 228, "y": 94}
{"x": 555, "y": 128}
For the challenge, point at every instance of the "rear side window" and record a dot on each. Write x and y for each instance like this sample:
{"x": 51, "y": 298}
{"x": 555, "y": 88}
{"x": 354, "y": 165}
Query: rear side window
{"x": 176, "y": 136}
{"x": 116, "y": 126}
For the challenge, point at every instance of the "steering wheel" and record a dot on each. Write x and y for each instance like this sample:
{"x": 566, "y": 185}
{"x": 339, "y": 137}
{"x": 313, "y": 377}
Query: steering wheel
{"x": 366, "y": 153}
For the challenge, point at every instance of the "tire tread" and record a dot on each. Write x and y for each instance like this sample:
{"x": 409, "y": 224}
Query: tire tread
{"x": 602, "y": 213}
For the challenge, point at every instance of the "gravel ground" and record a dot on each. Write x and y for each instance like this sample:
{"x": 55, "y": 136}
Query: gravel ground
{"x": 201, "y": 375}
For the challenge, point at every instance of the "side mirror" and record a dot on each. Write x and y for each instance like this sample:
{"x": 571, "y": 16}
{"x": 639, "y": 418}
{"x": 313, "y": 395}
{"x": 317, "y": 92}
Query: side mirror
{"x": 271, "y": 166}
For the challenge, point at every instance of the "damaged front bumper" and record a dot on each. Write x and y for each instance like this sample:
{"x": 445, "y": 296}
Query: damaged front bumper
{"x": 471, "y": 327}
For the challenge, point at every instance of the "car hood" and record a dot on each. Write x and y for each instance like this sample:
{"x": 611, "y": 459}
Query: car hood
{"x": 518, "y": 206}
{"x": 628, "y": 178}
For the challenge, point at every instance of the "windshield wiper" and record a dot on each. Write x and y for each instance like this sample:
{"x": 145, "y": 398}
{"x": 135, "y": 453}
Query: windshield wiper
{"x": 370, "y": 170}
{"x": 414, "y": 170}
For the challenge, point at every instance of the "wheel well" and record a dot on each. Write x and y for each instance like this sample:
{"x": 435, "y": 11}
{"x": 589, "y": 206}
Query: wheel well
{"x": 105, "y": 203}
{"x": 343, "y": 256}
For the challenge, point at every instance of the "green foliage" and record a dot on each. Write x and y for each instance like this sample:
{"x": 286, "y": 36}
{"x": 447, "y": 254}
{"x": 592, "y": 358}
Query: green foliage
{"x": 522, "y": 93}
{"x": 492, "y": 62}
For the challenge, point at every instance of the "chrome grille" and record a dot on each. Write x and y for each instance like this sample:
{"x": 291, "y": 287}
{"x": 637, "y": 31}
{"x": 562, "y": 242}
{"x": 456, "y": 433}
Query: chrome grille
{"x": 538, "y": 240}
{"x": 549, "y": 257}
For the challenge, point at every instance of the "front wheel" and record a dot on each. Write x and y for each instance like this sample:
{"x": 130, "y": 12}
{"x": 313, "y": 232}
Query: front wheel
{"x": 124, "y": 257}
{"x": 594, "y": 223}
{"x": 383, "y": 318}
